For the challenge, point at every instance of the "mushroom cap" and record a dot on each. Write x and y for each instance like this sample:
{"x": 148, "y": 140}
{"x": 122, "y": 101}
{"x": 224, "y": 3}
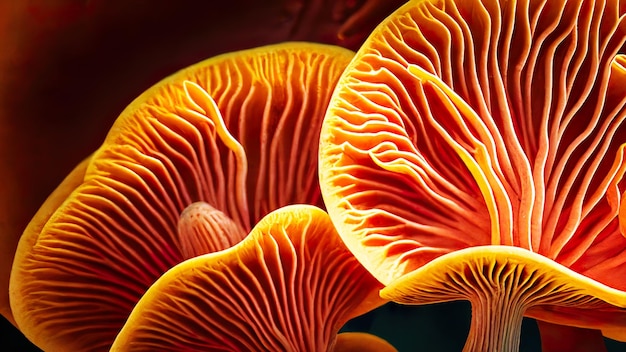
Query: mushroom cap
{"x": 62, "y": 63}
{"x": 289, "y": 286}
{"x": 463, "y": 124}
{"x": 238, "y": 131}
{"x": 553, "y": 292}
{"x": 361, "y": 342}
{"x": 52, "y": 202}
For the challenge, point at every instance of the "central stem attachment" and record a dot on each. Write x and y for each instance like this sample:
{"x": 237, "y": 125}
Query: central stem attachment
{"x": 203, "y": 229}
{"x": 496, "y": 324}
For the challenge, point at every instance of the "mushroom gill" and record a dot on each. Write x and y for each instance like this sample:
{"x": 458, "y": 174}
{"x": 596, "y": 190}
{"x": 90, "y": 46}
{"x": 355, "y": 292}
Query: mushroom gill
{"x": 67, "y": 68}
{"x": 238, "y": 132}
{"x": 474, "y": 150}
{"x": 289, "y": 286}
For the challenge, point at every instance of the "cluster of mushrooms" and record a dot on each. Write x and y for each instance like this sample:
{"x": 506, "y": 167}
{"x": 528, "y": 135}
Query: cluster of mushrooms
{"x": 258, "y": 200}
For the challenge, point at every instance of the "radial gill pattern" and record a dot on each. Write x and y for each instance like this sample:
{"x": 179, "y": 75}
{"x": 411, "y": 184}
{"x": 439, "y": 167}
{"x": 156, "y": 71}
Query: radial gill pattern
{"x": 289, "y": 286}
{"x": 471, "y": 128}
{"x": 505, "y": 283}
{"x": 236, "y": 134}
{"x": 465, "y": 123}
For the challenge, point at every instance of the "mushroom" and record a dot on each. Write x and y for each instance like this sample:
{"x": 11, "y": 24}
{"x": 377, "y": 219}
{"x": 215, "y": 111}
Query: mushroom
{"x": 475, "y": 150}
{"x": 361, "y": 342}
{"x": 67, "y": 68}
{"x": 76, "y": 277}
{"x": 289, "y": 286}
{"x": 555, "y": 337}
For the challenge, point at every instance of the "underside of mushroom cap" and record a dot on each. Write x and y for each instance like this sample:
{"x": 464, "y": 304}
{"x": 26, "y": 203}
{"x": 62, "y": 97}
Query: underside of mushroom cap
{"x": 473, "y": 123}
{"x": 238, "y": 132}
{"x": 289, "y": 286}
{"x": 535, "y": 286}
{"x": 272, "y": 101}
{"x": 73, "y": 180}
{"x": 50, "y": 205}
{"x": 442, "y": 135}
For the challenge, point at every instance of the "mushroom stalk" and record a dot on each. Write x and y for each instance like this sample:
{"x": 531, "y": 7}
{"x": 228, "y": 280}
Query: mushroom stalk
{"x": 496, "y": 321}
{"x": 203, "y": 229}
{"x": 503, "y": 284}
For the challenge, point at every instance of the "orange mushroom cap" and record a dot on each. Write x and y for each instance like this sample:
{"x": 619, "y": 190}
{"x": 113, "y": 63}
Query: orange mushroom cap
{"x": 62, "y": 62}
{"x": 555, "y": 338}
{"x": 361, "y": 342}
{"x": 464, "y": 131}
{"x": 238, "y": 132}
{"x": 289, "y": 286}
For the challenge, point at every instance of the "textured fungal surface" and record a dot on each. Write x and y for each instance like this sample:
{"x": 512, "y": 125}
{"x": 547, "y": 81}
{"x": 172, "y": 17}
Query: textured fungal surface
{"x": 289, "y": 286}
{"x": 223, "y": 142}
{"x": 505, "y": 283}
{"x": 484, "y": 123}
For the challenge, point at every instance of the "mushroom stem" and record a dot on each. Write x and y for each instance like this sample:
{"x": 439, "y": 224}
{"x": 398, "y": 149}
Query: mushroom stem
{"x": 203, "y": 229}
{"x": 496, "y": 321}
{"x": 503, "y": 284}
